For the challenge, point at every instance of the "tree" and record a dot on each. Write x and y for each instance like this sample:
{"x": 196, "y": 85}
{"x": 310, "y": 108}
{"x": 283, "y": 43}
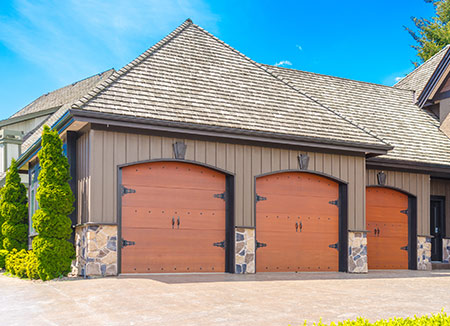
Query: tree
{"x": 432, "y": 34}
{"x": 14, "y": 211}
{"x": 53, "y": 251}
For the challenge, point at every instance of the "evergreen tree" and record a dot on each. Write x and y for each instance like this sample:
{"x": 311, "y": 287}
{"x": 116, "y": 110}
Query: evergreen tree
{"x": 14, "y": 211}
{"x": 52, "y": 250}
{"x": 432, "y": 34}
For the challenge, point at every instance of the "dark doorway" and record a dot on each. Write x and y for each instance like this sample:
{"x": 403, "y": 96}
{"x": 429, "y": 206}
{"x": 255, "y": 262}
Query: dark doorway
{"x": 437, "y": 215}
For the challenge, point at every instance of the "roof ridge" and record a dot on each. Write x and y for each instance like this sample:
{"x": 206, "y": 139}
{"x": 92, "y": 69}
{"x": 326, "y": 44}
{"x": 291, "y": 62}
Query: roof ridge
{"x": 420, "y": 66}
{"x": 95, "y": 91}
{"x": 342, "y": 78}
{"x": 259, "y": 65}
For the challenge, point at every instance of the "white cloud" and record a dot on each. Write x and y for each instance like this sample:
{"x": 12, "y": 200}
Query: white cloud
{"x": 283, "y": 63}
{"x": 397, "y": 79}
{"x": 299, "y": 47}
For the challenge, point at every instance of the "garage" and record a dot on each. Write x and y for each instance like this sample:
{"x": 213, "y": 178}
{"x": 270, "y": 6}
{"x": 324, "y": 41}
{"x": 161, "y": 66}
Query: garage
{"x": 297, "y": 223}
{"x": 387, "y": 220}
{"x": 173, "y": 218}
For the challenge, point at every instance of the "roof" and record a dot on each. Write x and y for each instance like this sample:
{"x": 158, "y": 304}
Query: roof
{"x": 61, "y": 96}
{"x": 419, "y": 77}
{"x": 386, "y": 111}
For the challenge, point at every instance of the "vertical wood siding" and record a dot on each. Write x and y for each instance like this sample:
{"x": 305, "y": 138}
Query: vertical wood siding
{"x": 440, "y": 187}
{"x": 414, "y": 183}
{"x": 83, "y": 178}
{"x": 107, "y": 150}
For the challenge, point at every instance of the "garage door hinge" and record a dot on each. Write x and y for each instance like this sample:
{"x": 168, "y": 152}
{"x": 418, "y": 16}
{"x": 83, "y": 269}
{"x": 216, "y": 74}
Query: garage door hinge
{"x": 127, "y": 243}
{"x": 334, "y": 246}
{"x": 124, "y": 190}
{"x": 334, "y": 202}
{"x": 404, "y": 211}
{"x": 223, "y": 196}
{"x": 260, "y": 244}
{"x": 404, "y": 248}
{"x": 220, "y": 244}
{"x": 260, "y": 198}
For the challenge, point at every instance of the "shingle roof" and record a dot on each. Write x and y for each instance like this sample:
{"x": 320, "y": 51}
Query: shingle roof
{"x": 61, "y": 96}
{"x": 419, "y": 77}
{"x": 192, "y": 77}
{"x": 386, "y": 111}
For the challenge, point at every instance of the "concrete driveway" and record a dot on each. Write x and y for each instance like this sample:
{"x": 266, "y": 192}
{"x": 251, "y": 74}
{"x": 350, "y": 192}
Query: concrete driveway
{"x": 222, "y": 299}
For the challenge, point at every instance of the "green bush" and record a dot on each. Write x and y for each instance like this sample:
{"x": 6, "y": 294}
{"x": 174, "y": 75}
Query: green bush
{"x": 32, "y": 266}
{"x": 438, "y": 319}
{"x": 16, "y": 263}
{"x": 52, "y": 251}
{"x": 14, "y": 211}
{"x": 3, "y": 254}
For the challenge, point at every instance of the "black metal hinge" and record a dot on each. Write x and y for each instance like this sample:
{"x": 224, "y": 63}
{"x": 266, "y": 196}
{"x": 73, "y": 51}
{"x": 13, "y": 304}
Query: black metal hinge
{"x": 223, "y": 195}
{"x": 260, "y": 198}
{"x": 127, "y": 243}
{"x": 260, "y": 244}
{"x": 124, "y": 190}
{"x": 334, "y": 246}
{"x": 404, "y": 211}
{"x": 220, "y": 244}
{"x": 404, "y": 248}
{"x": 334, "y": 202}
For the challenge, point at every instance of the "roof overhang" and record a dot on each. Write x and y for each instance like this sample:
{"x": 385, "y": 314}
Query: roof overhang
{"x": 435, "y": 170}
{"x": 10, "y": 121}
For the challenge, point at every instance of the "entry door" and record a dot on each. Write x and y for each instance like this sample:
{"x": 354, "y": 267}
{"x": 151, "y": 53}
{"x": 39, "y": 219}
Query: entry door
{"x": 437, "y": 215}
{"x": 173, "y": 218}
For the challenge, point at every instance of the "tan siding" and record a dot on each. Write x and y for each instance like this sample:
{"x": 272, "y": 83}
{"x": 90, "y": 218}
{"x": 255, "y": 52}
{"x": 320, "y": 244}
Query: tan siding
{"x": 112, "y": 149}
{"x": 414, "y": 183}
{"x": 441, "y": 187}
{"x": 83, "y": 177}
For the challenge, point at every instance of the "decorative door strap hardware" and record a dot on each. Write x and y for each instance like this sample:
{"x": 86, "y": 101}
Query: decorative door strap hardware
{"x": 127, "y": 243}
{"x": 298, "y": 226}
{"x": 260, "y": 244}
{"x": 260, "y": 198}
{"x": 220, "y": 244}
{"x": 124, "y": 190}
{"x": 223, "y": 196}
{"x": 404, "y": 248}
{"x": 334, "y": 202}
{"x": 404, "y": 211}
{"x": 334, "y": 246}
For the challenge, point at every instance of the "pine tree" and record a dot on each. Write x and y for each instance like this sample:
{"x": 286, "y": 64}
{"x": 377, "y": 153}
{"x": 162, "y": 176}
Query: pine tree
{"x": 53, "y": 252}
{"x": 432, "y": 34}
{"x": 14, "y": 211}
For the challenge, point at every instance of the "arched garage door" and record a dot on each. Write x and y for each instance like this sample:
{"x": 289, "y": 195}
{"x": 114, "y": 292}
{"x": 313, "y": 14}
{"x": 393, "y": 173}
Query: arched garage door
{"x": 297, "y": 223}
{"x": 173, "y": 218}
{"x": 387, "y": 226}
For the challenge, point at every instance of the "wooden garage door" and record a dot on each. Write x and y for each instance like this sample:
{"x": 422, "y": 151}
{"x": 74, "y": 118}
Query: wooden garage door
{"x": 388, "y": 228}
{"x": 296, "y": 223}
{"x": 173, "y": 217}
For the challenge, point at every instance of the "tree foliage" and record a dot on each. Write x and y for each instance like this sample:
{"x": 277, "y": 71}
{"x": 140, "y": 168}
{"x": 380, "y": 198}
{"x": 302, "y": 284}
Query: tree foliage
{"x": 14, "y": 211}
{"x": 431, "y": 34}
{"x": 52, "y": 250}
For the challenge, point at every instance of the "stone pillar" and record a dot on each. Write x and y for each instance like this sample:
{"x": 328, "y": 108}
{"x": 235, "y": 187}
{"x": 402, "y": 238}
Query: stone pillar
{"x": 446, "y": 251}
{"x": 424, "y": 253}
{"x": 245, "y": 251}
{"x": 96, "y": 250}
{"x": 357, "y": 252}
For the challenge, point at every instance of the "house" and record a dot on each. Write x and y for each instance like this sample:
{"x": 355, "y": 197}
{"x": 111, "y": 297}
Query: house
{"x": 195, "y": 158}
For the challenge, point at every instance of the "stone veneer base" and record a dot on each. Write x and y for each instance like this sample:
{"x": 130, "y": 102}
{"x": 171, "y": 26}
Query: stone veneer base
{"x": 423, "y": 253}
{"x": 96, "y": 250}
{"x": 357, "y": 252}
{"x": 245, "y": 251}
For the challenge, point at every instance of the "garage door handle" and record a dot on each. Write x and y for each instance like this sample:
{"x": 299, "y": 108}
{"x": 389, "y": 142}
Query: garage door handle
{"x": 296, "y": 226}
{"x": 178, "y": 222}
{"x": 173, "y": 222}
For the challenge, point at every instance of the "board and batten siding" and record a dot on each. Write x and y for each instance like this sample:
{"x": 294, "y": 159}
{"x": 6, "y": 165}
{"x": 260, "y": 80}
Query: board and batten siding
{"x": 414, "y": 183}
{"x": 441, "y": 187}
{"x": 109, "y": 149}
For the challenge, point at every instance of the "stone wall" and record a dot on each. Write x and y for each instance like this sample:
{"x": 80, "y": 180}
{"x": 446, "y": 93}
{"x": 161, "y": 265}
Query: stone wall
{"x": 423, "y": 253}
{"x": 357, "y": 252}
{"x": 446, "y": 250}
{"x": 245, "y": 251}
{"x": 96, "y": 250}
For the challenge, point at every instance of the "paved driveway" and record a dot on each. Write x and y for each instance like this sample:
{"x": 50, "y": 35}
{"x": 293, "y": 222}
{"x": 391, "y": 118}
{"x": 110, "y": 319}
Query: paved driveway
{"x": 262, "y": 299}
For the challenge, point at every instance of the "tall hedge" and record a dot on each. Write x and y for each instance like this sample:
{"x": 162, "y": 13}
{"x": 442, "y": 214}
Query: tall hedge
{"x": 52, "y": 250}
{"x": 14, "y": 211}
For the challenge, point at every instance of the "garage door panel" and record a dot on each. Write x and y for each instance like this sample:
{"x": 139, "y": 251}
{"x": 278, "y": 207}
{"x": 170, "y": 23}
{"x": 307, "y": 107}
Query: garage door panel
{"x": 387, "y": 214}
{"x": 296, "y": 204}
{"x": 300, "y": 225}
{"x": 302, "y": 185}
{"x": 389, "y": 198}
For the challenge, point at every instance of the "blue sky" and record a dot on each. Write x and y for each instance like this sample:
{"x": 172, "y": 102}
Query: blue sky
{"x": 47, "y": 44}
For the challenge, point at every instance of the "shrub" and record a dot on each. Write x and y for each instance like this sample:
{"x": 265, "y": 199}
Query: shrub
{"x": 32, "y": 266}
{"x": 16, "y": 263}
{"x": 438, "y": 319}
{"x": 53, "y": 252}
{"x": 14, "y": 211}
{"x": 3, "y": 254}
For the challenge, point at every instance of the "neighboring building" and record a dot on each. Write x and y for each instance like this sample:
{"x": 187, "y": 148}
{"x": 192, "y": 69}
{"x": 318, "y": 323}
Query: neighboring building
{"x": 194, "y": 158}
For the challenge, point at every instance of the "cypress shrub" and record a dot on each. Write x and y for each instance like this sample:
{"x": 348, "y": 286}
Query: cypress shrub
{"x": 14, "y": 211}
{"x": 53, "y": 252}
{"x": 3, "y": 254}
